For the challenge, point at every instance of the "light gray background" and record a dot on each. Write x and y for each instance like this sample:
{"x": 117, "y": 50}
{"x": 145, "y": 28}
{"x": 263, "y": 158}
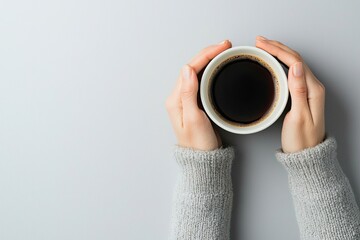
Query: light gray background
{"x": 85, "y": 141}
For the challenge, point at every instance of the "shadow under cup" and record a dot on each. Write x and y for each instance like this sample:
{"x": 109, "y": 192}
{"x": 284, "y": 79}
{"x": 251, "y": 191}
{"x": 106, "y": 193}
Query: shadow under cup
{"x": 254, "y": 90}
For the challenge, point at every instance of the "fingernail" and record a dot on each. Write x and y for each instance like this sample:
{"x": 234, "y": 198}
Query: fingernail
{"x": 186, "y": 71}
{"x": 223, "y": 42}
{"x": 298, "y": 70}
{"x": 261, "y": 38}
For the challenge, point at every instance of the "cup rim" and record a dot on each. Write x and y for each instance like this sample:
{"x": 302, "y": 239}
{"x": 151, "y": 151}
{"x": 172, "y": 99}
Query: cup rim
{"x": 281, "y": 77}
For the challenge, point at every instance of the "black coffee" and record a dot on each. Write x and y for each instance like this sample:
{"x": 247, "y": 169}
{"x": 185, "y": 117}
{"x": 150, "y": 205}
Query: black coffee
{"x": 243, "y": 90}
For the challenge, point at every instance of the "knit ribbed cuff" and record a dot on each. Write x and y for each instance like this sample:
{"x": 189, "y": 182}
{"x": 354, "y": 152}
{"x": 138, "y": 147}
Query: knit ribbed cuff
{"x": 310, "y": 160}
{"x": 205, "y": 171}
{"x": 313, "y": 167}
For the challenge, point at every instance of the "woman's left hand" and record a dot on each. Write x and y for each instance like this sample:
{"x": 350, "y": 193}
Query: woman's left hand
{"x": 192, "y": 127}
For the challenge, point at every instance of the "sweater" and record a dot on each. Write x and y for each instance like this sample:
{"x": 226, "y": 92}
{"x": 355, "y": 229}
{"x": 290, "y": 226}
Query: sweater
{"x": 324, "y": 202}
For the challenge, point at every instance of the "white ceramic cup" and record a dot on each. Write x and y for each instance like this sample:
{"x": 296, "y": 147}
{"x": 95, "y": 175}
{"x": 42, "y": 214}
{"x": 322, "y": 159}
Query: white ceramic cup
{"x": 280, "y": 83}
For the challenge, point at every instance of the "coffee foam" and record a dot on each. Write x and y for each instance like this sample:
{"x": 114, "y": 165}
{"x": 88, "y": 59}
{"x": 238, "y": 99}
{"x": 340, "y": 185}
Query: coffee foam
{"x": 275, "y": 81}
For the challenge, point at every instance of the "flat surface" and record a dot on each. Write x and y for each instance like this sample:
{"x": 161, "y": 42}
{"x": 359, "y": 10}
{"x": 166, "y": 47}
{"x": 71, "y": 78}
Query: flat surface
{"x": 85, "y": 141}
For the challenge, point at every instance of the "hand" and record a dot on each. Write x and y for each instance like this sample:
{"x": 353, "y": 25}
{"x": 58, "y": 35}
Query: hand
{"x": 304, "y": 124}
{"x": 192, "y": 127}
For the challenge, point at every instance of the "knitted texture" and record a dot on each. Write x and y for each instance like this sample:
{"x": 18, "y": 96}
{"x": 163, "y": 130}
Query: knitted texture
{"x": 203, "y": 194}
{"x": 324, "y": 203}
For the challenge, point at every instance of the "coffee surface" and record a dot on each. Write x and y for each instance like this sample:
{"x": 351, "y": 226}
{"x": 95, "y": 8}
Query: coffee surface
{"x": 242, "y": 91}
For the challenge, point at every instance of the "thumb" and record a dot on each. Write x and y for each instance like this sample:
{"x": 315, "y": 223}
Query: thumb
{"x": 189, "y": 89}
{"x": 297, "y": 87}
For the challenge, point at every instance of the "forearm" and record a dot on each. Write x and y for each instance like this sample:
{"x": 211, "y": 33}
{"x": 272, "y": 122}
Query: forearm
{"x": 324, "y": 201}
{"x": 203, "y": 194}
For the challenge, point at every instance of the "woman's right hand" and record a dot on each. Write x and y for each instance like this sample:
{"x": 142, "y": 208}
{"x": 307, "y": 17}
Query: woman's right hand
{"x": 304, "y": 124}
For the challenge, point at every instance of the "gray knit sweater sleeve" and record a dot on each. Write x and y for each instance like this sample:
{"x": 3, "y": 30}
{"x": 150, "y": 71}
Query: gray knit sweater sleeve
{"x": 203, "y": 194}
{"x": 325, "y": 205}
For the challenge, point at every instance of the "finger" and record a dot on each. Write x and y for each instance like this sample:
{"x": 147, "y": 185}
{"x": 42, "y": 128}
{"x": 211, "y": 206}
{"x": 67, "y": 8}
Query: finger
{"x": 174, "y": 109}
{"x": 277, "y": 49}
{"x": 286, "y": 55}
{"x": 177, "y": 89}
{"x": 205, "y": 56}
{"x": 312, "y": 79}
{"x": 174, "y": 106}
{"x": 317, "y": 108}
{"x": 298, "y": 89}
{"x": 316, "y": 95}
{"x": 189, "y": 89}
{"x": 277, "y": 43}
{"x": 316, "y": 99}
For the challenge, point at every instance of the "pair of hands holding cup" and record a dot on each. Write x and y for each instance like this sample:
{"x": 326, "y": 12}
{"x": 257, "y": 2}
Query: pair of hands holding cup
{"x": 304, "y": 124}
